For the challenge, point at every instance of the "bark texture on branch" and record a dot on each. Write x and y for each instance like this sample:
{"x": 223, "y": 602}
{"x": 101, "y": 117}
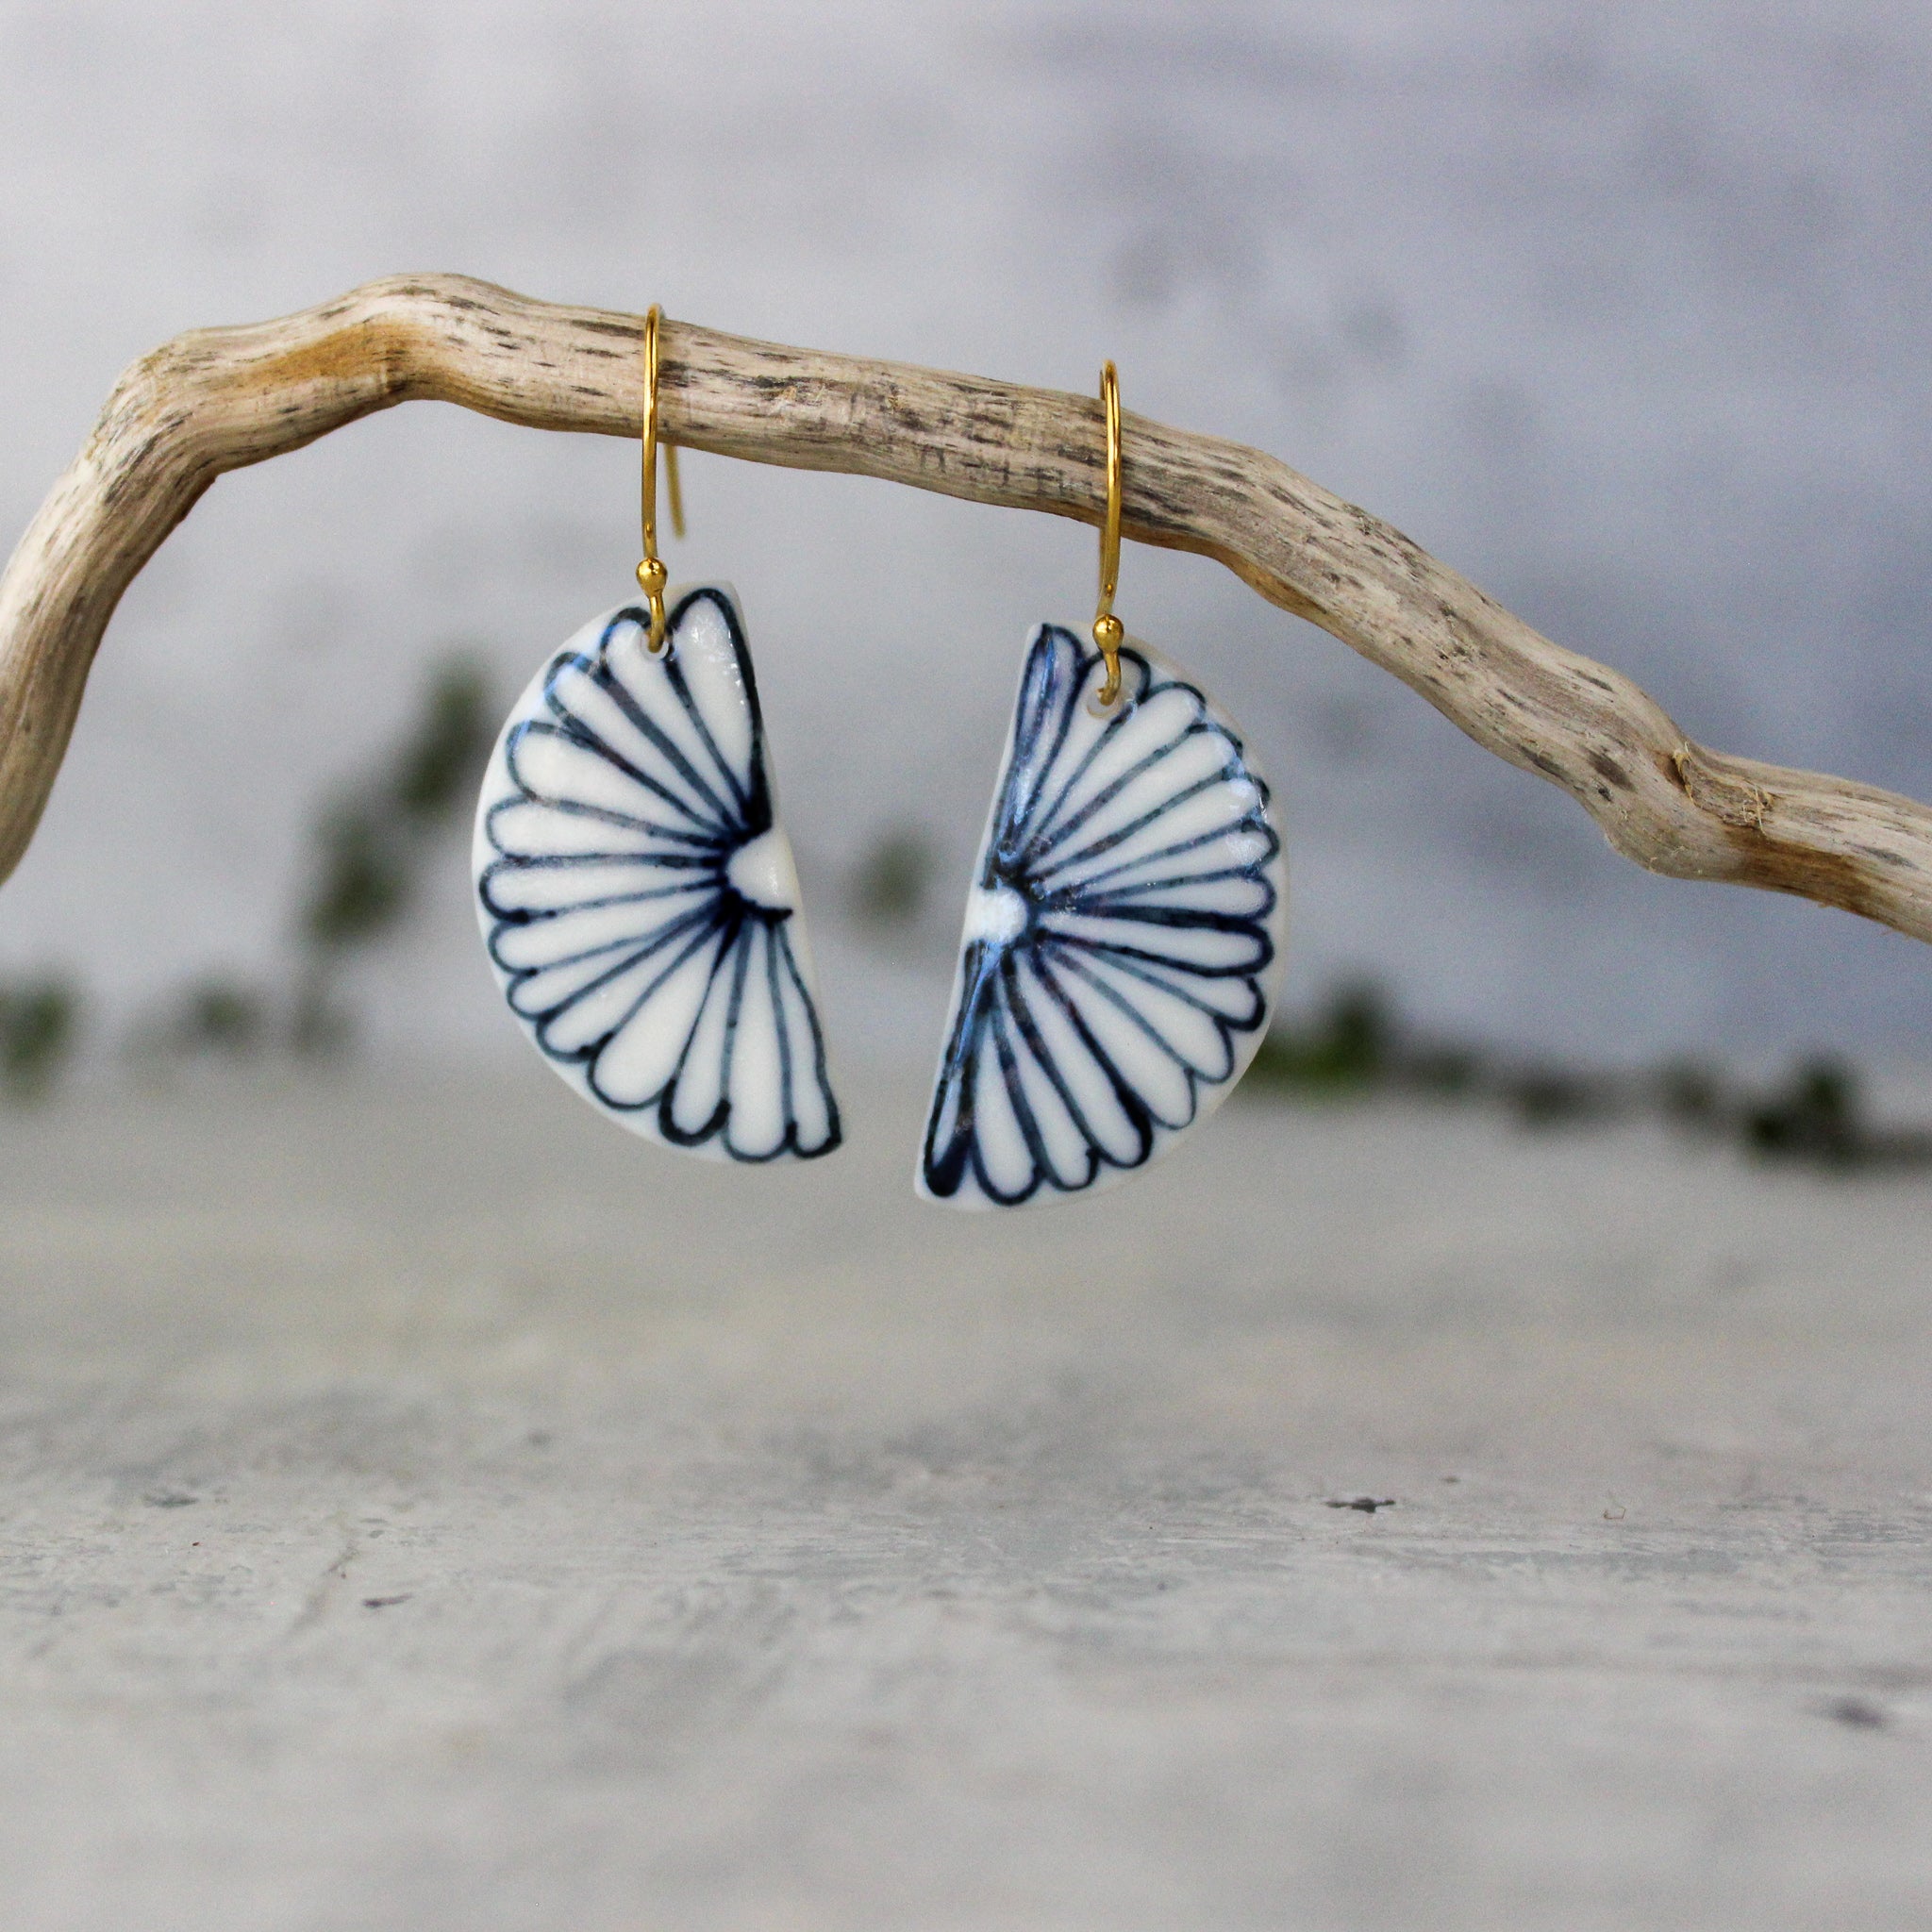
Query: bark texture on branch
{"x": 217, "y": 399}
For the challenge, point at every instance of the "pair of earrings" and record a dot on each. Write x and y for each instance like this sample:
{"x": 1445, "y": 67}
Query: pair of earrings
{"x": 641, "y": 905}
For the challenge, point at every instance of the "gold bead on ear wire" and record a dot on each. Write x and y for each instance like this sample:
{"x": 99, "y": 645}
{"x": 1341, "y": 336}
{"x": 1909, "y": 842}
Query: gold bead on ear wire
{"x": 1108, "y": 631}
{"x": 652, "y": 575}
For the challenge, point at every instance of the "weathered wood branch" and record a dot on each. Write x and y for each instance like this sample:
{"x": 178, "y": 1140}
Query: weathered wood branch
{"x": 217, "y": 399}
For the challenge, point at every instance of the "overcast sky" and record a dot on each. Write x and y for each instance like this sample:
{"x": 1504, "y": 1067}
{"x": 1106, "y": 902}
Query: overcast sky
{"x": 1622, "y": 311}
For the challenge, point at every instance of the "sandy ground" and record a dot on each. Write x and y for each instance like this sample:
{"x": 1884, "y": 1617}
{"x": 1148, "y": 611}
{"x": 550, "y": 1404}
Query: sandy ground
{"x": 428, "y": 1509}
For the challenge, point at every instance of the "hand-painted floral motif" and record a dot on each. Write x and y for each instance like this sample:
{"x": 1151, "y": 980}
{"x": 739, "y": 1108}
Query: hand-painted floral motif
{"x": 1122, "y": 935}
{"x": 637, "y": 896}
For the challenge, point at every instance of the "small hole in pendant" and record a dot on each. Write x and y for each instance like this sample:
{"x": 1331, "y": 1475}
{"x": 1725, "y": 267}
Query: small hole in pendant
{"x": 1106, "y": 713}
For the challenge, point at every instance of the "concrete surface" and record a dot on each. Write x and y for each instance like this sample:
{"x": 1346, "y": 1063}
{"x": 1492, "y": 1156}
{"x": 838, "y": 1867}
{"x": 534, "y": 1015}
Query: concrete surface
{"x": 432, "y": 1510}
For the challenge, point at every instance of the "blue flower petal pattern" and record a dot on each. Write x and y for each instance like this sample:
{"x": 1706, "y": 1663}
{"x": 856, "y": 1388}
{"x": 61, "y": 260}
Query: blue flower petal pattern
{"x": 639, "y": 899}
{"x": 1124, "y": 935}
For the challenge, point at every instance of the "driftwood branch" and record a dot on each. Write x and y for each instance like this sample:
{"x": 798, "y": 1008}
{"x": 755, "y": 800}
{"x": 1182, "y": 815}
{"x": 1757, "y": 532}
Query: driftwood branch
{"x": 218, "y": 399}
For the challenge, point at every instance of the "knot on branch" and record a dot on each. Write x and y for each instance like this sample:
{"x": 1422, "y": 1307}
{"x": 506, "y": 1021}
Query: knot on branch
{"x": 1730, "y": 800}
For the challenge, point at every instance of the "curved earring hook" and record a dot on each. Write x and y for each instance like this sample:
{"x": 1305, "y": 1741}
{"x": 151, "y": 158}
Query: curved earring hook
{"x": 1107, "y": 629}
{"x": 652, "y": 575}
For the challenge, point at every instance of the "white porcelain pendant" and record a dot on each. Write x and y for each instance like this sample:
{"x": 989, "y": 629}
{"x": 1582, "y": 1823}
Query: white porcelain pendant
{"x": 1123, "y": 941}
{"x": 637, "y": 896}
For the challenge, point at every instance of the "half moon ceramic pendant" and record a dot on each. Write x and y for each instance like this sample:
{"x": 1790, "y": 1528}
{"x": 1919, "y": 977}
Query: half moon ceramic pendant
{"x": 1123, "y": 941}
{"x": 637, "y": 896}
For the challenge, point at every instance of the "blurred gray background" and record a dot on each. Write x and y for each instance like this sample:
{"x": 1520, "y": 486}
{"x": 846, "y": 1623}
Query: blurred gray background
{"x": 1622, "y": 312}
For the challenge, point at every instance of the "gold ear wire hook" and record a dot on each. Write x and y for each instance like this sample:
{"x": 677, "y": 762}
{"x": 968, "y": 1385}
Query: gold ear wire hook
{"x": 1107, "y": 629}
{"x": 652, "y": 575}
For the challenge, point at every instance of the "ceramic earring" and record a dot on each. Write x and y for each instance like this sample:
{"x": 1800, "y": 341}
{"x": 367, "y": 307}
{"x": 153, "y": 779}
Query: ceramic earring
{"x": 636, "y": 895}
{"x": 1123, "y": 934}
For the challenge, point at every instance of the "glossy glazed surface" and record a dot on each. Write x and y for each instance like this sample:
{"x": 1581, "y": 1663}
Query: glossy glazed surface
{"x": 638, "y": 897}
{"x": 1123, "y": 937}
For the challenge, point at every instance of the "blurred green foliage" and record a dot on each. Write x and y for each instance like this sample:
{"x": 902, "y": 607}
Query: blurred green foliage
{"x": 39, "y": 1020}
{"x": 370, "y": 845}
{"x": 362, "y": 881}
{"x": 1354, "y": 1045}
{"x": 892, "y": 881}
{"x": 1816, "y": 1117}
{"x": 439, "y": 768}
{"x": 218, "y": 1018}
{"x": 1348, "y": 1048}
